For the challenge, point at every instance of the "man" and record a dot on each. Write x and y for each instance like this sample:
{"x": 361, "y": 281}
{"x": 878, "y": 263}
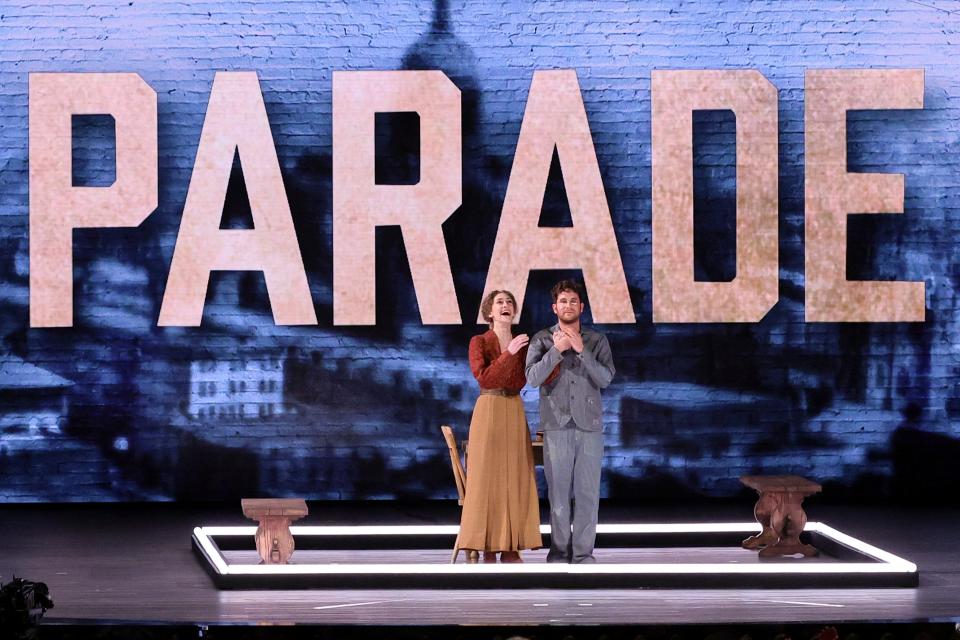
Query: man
{"x": 571, "y": 417}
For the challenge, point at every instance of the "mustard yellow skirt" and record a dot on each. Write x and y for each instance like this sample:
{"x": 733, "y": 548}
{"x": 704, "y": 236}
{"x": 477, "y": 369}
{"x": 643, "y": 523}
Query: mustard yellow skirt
{"x": 500, "y": 510}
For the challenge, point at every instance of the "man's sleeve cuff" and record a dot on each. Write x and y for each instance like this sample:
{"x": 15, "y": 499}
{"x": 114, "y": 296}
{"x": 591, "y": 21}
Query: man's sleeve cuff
{"x": 553, "y": 355}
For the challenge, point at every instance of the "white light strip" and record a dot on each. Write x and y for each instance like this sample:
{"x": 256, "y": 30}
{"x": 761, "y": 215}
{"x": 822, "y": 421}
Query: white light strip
{"x": 452, "y": 529}
{"x": 887, "y": 562}
{"x": 693, "y": 527}
{"x": 561, "y": 569}
{"x": 862, "y": 547}
{"x": 211, "y": 550}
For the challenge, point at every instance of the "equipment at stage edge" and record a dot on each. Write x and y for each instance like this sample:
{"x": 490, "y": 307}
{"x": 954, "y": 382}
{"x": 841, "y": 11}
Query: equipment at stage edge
{"x": 22, "y": 604}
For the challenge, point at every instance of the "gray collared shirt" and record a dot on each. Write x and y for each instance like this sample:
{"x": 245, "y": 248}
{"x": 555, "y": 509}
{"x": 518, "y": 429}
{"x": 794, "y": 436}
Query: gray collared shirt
{"x": 575, "y": 393}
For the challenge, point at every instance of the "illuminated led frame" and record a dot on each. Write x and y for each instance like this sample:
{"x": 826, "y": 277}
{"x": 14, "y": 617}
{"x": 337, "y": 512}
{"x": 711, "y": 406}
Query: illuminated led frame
{"x": 879, "y": 568}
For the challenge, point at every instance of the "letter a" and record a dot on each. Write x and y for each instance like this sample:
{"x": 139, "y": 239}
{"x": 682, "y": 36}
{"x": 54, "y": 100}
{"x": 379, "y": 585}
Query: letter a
{"x": 236, "y": 122}
{"x": 555, "y": 118}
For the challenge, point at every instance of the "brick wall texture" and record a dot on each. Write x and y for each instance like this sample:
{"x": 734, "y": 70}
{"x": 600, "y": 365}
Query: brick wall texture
{"x": 116, "y": 408}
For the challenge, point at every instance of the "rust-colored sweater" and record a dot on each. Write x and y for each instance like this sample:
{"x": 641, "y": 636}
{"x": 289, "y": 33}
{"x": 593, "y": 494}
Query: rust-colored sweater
{"x": 494, "y": 369}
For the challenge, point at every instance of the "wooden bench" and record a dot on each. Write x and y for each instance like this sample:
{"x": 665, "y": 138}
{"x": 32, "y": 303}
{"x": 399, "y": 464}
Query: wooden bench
{"x": 274, "y": 540}
{"x": 779, "y": 511}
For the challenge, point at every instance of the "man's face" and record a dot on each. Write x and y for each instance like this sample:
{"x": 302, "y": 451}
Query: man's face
{"x": 568, "y": 307}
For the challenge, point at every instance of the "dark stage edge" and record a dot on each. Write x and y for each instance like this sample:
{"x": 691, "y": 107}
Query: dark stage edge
{"x": 842, "y": 631}
{"x": 133, "y": 565}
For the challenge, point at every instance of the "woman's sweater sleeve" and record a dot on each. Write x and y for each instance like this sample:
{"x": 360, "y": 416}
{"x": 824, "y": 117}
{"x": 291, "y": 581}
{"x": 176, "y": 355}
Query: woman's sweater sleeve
{"x": 490, "y": 375}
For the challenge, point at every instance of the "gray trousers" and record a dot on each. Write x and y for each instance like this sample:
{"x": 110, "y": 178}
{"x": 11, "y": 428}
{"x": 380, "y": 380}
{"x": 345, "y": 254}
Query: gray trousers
{"x": 571, "y": 464}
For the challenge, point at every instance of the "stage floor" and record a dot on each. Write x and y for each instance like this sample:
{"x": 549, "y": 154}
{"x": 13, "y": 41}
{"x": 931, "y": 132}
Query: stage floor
{"x": 134, "y": 564}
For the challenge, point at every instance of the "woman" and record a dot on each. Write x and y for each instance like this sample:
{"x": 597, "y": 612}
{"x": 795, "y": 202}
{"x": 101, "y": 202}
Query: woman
{"x": 500, "y": 510}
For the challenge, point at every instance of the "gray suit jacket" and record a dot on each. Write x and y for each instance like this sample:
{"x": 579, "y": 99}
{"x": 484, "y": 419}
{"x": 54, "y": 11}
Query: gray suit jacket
{"x": 575, "y": 392}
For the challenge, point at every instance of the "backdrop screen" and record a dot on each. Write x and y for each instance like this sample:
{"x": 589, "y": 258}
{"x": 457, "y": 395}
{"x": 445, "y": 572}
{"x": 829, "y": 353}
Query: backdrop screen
{"x": 324, "y": 358}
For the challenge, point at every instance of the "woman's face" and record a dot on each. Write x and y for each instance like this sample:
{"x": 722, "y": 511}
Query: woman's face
{"x": 503, "y": 310}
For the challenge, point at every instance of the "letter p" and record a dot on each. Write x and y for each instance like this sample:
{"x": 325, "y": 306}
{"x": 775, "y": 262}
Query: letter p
{"x": 56, "y": 206}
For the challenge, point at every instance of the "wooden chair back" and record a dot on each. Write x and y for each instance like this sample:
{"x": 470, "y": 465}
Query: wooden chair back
{"x": 459, "y": 475}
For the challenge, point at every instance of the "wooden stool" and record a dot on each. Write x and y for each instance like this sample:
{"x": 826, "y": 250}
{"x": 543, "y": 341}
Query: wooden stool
{"x": 780, "y": 512}
{"x": 274, "y": 541}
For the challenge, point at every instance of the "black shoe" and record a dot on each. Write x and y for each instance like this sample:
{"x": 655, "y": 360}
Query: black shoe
{"x": 557, "y": 556}
{"x": 584, "y": 560}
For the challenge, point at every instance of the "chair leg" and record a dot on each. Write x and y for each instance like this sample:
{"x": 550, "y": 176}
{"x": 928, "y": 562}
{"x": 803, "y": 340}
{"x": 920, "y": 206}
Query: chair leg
{"x": 456, "y": 550}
